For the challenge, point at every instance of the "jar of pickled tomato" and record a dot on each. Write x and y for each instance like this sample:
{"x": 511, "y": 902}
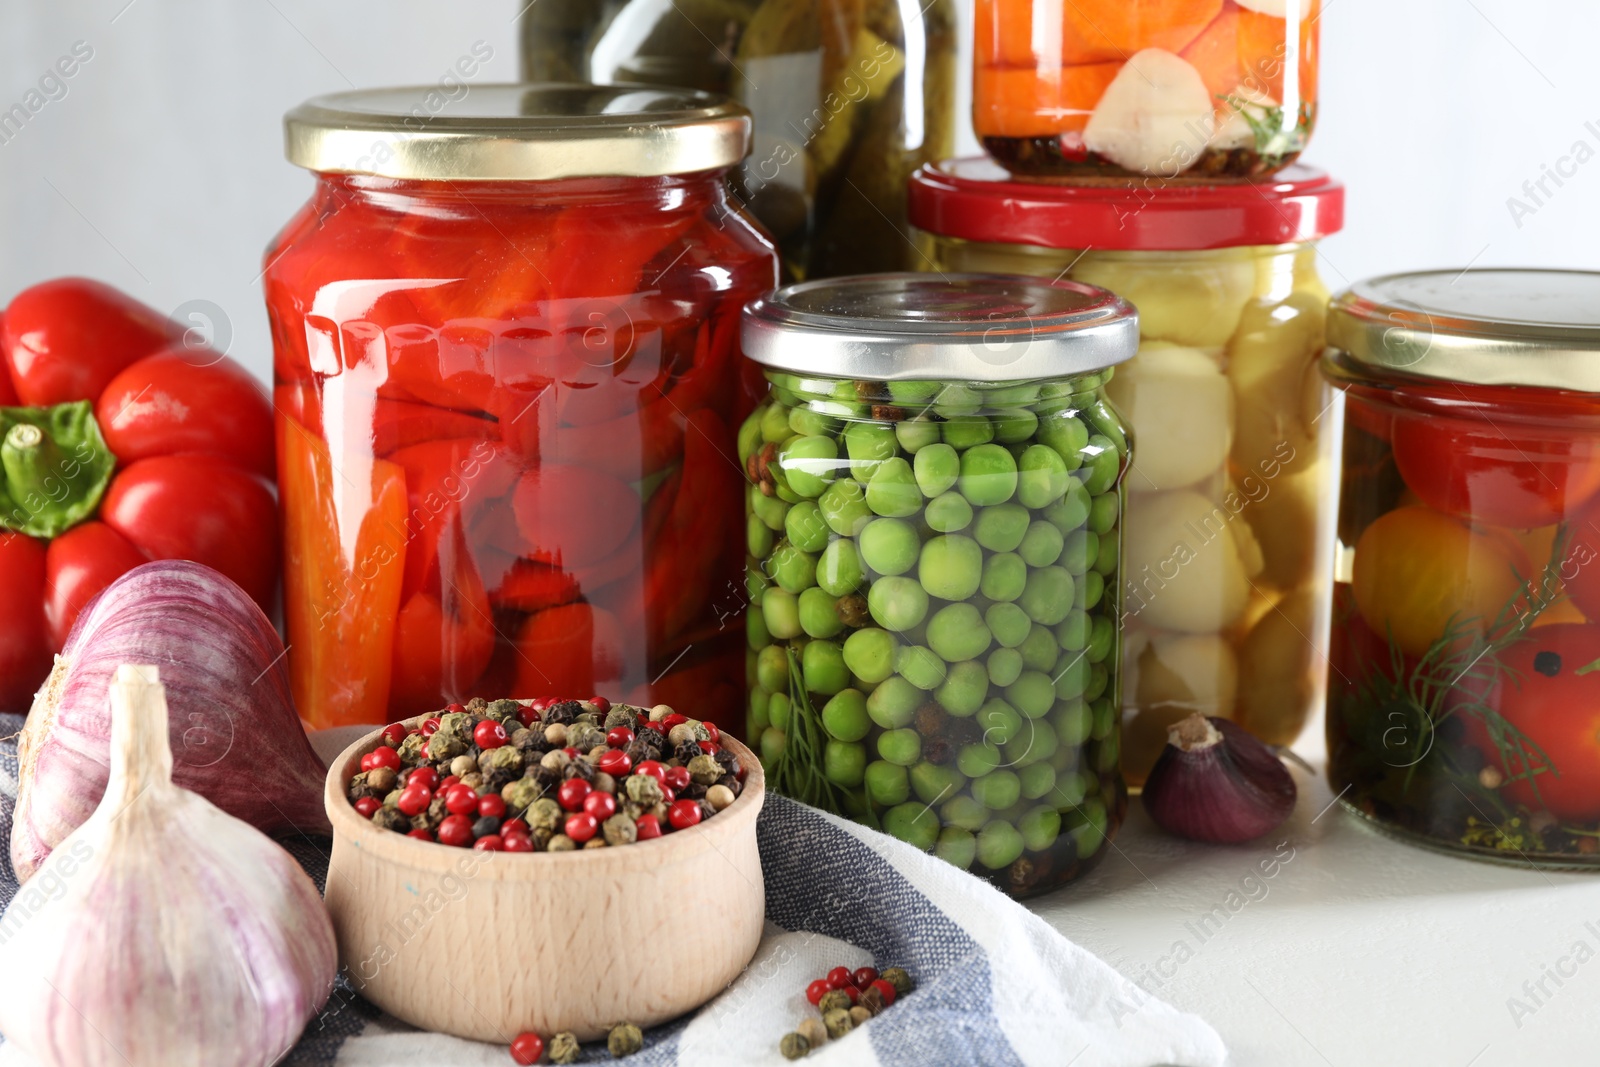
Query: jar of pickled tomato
{"x": 1202, "y": 89}
{"x": 505, "y": 341}
{"x": 1464, "y": 685}
{"x": 1229, "y": 540}
{"x": 934, "y": 534}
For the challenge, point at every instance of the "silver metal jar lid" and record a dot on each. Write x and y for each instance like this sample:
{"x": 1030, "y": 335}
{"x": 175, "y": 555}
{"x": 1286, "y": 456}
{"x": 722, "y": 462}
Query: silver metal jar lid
{"x": 961, "y": 327}
{"x": 517, "y": 133}
{"x": 1487, "y": 327}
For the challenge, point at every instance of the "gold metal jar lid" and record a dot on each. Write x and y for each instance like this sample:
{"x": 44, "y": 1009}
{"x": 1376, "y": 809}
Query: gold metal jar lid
{"x": 517, "y": 133}
{"x": 1487, "y": 327}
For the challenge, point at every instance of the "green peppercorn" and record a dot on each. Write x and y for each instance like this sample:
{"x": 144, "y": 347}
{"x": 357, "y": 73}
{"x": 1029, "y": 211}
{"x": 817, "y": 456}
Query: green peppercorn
{"x": 872, "y": 1000}
{"x": 452, "y": 738}
{"x": 838, "y": 1022}
{"x": 833, "y": 999}
{"x": 410, "y": 750}
{"x": 705, "y": 769}
{"x": 897, "y": 977}
{"x": 521, "y": 793}
{"x": 624, "y": 1040}
{"x": 563, "y": 1048}
{"x": 620, "y": 830}
{"x": 642, "y": 789}
{"x": 794, "y": 1047}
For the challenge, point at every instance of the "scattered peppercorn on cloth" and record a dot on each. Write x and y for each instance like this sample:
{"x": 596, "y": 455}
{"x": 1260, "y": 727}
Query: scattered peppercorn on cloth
{"x": 995, "y": 985}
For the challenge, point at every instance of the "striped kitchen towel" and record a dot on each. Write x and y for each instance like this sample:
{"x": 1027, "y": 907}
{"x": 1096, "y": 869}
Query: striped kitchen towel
{"x": 995, "y": 984}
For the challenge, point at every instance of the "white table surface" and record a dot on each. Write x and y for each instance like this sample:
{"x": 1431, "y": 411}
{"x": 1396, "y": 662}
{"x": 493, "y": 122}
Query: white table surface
{"x": 1358, "y": 950}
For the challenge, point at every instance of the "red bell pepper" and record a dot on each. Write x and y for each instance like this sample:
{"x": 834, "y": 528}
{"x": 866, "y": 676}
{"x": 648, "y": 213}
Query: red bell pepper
{"x": 107, "y": 398}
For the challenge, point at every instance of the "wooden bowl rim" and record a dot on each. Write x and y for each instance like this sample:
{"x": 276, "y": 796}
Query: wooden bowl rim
{"x": 397, "y": 848}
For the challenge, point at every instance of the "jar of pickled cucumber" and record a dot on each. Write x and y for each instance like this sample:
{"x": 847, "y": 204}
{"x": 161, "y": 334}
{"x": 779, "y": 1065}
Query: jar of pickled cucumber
{"x": 934, "y": 532}
{"x": 1230, "y": 540}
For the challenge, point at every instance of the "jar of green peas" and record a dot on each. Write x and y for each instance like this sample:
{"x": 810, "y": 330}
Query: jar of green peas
{"x": 933, "y": 535}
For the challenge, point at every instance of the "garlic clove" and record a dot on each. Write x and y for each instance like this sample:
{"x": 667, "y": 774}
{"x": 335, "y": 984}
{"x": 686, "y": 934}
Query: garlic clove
{"x": 162, "y": 931}
{"x": 1215, "y": 782}
{"x": 1155, "y": 117}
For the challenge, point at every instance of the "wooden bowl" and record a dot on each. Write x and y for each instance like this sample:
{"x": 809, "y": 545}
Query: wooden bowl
{"x": 486, "y": 945}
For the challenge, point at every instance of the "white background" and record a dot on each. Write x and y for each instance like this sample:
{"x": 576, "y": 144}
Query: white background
{"x": 161, "y": 170}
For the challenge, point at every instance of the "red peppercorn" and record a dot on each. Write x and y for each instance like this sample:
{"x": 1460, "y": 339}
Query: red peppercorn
{"x": 619, "y": 737}
{"x": 514, "y": 826}
{"x": 884, "y": 988}
{"x": 853, "y": 993}
{"x": 414, "y": 799}
{"x": 646, "y": 827}
{"x": 461, "y": 800}
{"x": 683, "y": 814}
{"x": 528, "y": 716}
{"x": 601, "y": 704}
{"x": 367, "y": 807}
{"x": 658, "y": 727}
{"x": 572, "y": 792}
{"x": 615, "y": 763}
{"x": 515, "y": 842}
{"x": 420, "y": 835}
{"x": 489, "y": 734}
{"x": 714, "y": 733}
{"x": 455, "y": 830}
{"x": 864, "y": 977}
{"x": 492, "y": 804}
{"x": 674, "y": 720}
{"x": 581, "y": 826}
{"x": 667, "y": 795}
{"x": 678, "y": 778}
{"x": 538, "y": 703}
{"x": 395, "y": 733}
{"x": 654, "y": 768}
{"x": 742, "y": 772}
{"x": 423, "y": 776}
{"x": 527, "y": 1049}
{"x": 384, "y": 756}
{"x": 815, "y": 990}
{"x": 366, "y": 762}
{"x": 490, "y": 843}
{"x": 601, "y": 805}
{"x": 839, "y": 977}
{"x": 429, "y": 726}
{"x": 709, "y": 747}
{"x": 424, "y": 751}
{"x": 572, "y": 752}
{"x": 456, "y": 709}
{"x": 444, "y": 786}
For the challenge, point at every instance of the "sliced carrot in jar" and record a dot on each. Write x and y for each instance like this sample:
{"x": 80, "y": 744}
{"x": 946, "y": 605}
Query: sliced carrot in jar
{"x": 1021, "y": 103}
{"x": 1113, "y": 30}
{"x": 1215, "y": 53}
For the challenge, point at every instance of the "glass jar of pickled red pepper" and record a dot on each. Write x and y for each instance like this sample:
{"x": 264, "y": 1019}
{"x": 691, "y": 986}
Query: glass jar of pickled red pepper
{"x": 934, "y": 532}
{"x": 1464, "y": 680}
{"x": 1203, "y": 89}
{"x": 506, "y": 340}
{"x": 1230, "y": 536}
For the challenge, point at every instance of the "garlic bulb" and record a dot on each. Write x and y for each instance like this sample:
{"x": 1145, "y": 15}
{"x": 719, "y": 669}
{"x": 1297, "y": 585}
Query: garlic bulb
{"x": 162, "y": 930}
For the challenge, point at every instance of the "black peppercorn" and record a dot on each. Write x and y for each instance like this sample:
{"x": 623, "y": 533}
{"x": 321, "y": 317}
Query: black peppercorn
{"x": 563, "y": 712}
{"x": 392, "y": 819}
{"x": 489, "y": 824}
{"x": 579, "y": 768}
{"x": 547, "y": 778}
{"x": 733, "y": 784}
{"x": 686, "y": 751}
{"x": 726, "y": 760}
{"x": 937, "y": 750}
{"x": 852, "y": 610}
{"x": 692, "y": 791}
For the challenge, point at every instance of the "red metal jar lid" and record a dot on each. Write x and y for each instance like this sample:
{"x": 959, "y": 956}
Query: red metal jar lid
{"x": 976, "y": 200}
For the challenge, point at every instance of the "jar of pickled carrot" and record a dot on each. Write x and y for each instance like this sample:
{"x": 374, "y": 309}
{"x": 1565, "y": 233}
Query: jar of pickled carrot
{"x": 1201, "y": 89}
{"x": 1464, "y": 682}
{"x": 505, "y": 340}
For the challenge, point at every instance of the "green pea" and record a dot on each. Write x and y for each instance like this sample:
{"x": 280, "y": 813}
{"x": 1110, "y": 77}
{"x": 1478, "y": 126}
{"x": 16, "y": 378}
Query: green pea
{"x": 894, "y": 702}
{"x": 999, "y": 721}
{"x": 1110, "y": 555}
{"x": 822, "y": 664}
{"x": 889, "y": 546}
{"x": 1005, "y": 576}
{"x": 1072, "y": 510}
{"x": 1039, "y": 650}
{"x": 1102, "y": 463}
{"x": 869, "y": 653}
{"x": 839, "y": 569}
{"x": 781, "y": 487}
{"x": 1001, "y": 528}
{"x": 903, "y": 748}
{"x": 1009, "y": 624}
{"x": 1099, "y": 680}
{"x": 893, "y": 490}
{"x": 844, "y": 763}
{"x": 818, "y": 615}
{"x": 755, "y": 630}
{"x": 936, "y": 467}
{"x": 1039, "y": 828}
{"x": 1074, "y": 632}
{"x": 803, "y": 420}
{"x": 1013, "y": 394}
{"x": 845, "y": 716}
{"x": 1105, "y": 718}
{"x": 1041, "y": 477}
{"x": 933, "y": 783}
{"x": 963, "y": 689}
{"x": 956, "y": 847}
{"x": 808, "y": 464}
{"x": 1102, "y": 638}
{"x": 1004, "y": 666}
{"x": 1086, "y": 825}
{"x": 1072, "y": 676}
{"x": 804, "y": 527}
{"x": 1042, "y": 545}
{"x": 948, "y": 513}
{"x": 769, "y": 509}
{"x": 1073, "y": 720}
{"x": 956, "y": 400}
{"x": 1032, "y": 694}
{"x": 977, "y": 760}
{"x": 912, "y": 823}
{"x": 1014, "y": 426}
{"x": 1080, "y": 551}
{"x": 916, "y": 434}
{"x": 779, "y": 710}
{"x": 957, "y": 632}
{"x": 1036, "y": 742}
{"x": 1106, "y": 753}
{"x": 1103, "y": 513}
{"x": 912, "y": 393}
{"x": 964, "y": 812}
{"x": 775, "y": 424}
{"x": 919, "y": 665}
{"x": 951, "y": 567}
{"x": 758, "y": 539}
{"x": 1048, "y": 595}
{"x": 749, "y": 438}
{"x": 1037, "y": 780}
{"x": 897, "y": 603}
{"x": 781, "y": 612}
{"x": 1102, "y": 418}
{"x": 886, "y": 783}
{"x": 844, "y": 507}
{"x": 1069, "y": 790}
{"x": 869, "y": 444}
{"x": 998, "y": 789}
{"x": 755, "y": 582}
{"x": 774, "y": 742}
{"x": 1089, "y": 591}
{"x": 967, "y": 431}
{"x": 792, "y": 569}
{"x": 1066, "y": 434}
{"x": 988, "y": 475}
